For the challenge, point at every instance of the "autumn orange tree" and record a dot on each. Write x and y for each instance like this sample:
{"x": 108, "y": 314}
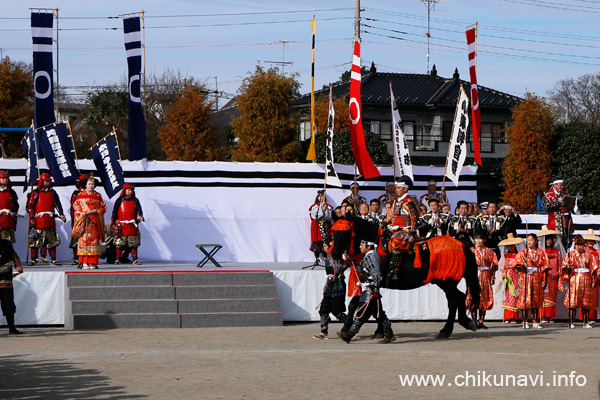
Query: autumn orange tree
{"x": 267, "y": 126}
{"x": 527, "y": 168}
{"x": 187, "y": 134}
{"x": 16, "y": 102}
{"x": 341, "y": 121}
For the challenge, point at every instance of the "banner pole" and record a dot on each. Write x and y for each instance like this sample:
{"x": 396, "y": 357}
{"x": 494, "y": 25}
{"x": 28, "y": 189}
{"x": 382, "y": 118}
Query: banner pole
{"x": 452, "y": 136}
{"x": 74, "y": 150}
{"x": 37, "y": 158}
{"x": 114, "y": 132}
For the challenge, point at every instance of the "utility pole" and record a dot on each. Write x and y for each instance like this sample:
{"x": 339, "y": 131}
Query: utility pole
{"x": 430, "y": 4}
{"x": 357, "y": 20}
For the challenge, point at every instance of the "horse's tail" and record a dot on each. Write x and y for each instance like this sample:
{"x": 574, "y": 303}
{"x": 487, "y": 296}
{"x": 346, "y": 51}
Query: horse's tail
{"x": 470, "y": 276}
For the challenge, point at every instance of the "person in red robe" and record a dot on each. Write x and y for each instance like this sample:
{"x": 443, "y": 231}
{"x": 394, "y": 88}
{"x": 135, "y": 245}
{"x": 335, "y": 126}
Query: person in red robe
{"x": 487, "y": 264}
{"x": 320, "y": 226}
{"x": 89, "y": 224}
{"x": 78, "y": 187}
{"x": 550, "y": 242}
{"x": 531, "y": 264}
{"x": 510, "y": 277}
{"x": 579, "y": 270}
{"x": 41, "y": 207}
{"x": 126, "y": 216}
{"x": 559, "y": 216}
{"x": 9, "y": 207}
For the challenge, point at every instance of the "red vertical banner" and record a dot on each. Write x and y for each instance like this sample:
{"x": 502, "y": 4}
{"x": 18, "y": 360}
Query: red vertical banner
{"x": 357, "y": 134}
{"x": 475, "y": 113}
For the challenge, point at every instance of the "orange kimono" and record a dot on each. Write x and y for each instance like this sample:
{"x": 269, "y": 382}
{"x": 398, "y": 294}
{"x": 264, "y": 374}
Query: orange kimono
{"x": 89, "y": 209}
{"x": 580, "y": 293}
{"x": 531, "y": 294}
{"x": 487, "y": 263}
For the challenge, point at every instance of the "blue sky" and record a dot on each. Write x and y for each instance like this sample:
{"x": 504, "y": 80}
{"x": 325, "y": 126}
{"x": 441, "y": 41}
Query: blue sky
{"x": 524, "y": 45}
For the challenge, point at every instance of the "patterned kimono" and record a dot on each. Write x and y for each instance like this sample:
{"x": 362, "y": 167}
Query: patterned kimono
{"x": 551, "y": 291}
{"x": 487, "y": 263}
{"x": 531, "y": 294}
{"x": 89, "y": 209}
{"x": 580, "y": 293}
{"x": 510, "y": 302}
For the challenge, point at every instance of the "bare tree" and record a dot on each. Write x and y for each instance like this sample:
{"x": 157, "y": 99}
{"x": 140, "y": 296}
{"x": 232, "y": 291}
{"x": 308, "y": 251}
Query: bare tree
{"x": 577, "y": 99}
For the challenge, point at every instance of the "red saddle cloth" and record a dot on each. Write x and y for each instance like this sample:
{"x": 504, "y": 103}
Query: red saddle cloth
{"x": 446, "y": 258}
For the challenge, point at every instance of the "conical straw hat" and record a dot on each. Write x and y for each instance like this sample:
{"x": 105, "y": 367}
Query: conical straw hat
{"x": 590, "y": 235}
{"x": 511, "y": 239}
{"x": 545, "y": 231}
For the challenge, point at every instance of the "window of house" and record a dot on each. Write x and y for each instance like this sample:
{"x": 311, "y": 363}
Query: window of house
{"x": 409, "y": 130}
{"x": 425, "y": 139}
{"x": 446, "y": 131}
{"x": 304, "y": 131}
{"x": 382, "y": 129}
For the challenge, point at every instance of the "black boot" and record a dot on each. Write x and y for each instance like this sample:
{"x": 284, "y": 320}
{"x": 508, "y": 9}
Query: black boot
{"x": 12, "y": 329}
{"x": 345, "y": 336}
{"x": 389, "y": 333}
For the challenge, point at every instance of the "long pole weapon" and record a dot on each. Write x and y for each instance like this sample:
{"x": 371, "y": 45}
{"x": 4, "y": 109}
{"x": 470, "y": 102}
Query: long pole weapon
{"x": 569, "y": 273}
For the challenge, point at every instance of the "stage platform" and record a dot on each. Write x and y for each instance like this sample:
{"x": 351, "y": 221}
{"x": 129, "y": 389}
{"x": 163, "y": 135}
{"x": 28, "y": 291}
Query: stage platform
{"x": 40, "y": 291}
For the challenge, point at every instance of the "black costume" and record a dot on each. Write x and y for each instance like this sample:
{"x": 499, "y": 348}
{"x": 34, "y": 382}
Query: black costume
{"x": 7, "y": 298}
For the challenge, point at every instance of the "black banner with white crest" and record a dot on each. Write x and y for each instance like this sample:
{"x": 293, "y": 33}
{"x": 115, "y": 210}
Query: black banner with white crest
{"x": 43, "y": 83}
{"x": 57, "y": 145}
{"x": 30, "y": 152}
{"x": 137, "y": 123}
{"x": 106, "y": 158}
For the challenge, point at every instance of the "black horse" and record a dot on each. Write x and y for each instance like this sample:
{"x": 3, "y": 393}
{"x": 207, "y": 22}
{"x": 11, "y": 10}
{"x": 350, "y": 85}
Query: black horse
{"x": 408, "y": 277}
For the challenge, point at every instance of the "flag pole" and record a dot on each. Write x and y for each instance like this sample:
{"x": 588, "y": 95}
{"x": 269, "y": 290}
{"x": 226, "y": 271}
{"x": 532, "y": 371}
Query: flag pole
{"x": 73, "y": 142}
{"x": 37, "y": 158}
{"x": 312, "y": 156}
{"x": 452, "y": 136}
{"x": 114, "y": 132}
{"x": 393, "y": 160}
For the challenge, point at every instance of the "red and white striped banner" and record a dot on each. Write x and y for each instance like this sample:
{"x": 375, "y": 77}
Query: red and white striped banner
{"x": 357, "y": 134}
{"x": 475, "y": 114}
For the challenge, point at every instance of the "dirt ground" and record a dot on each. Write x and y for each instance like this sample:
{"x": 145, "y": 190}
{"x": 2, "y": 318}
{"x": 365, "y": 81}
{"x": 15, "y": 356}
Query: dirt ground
{"x": 286, "y": 362}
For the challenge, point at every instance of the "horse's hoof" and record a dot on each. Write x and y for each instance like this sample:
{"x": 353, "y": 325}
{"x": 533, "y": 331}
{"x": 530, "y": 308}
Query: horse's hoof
{"x": 443, "y": 335}
{"x": 472, "y": 326}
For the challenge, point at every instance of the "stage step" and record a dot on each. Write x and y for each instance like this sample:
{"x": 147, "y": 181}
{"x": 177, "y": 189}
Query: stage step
{"x": 175, "y": 300}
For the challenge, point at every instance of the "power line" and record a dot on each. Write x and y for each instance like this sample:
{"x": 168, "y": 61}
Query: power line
{"x": 312, "y": 11}
{"x": 492, "y": 36}
{"x": 488, "y": 52}
{"x": 480, "y": 26}
{"x": 188, "y": 26}
{"x": 184, "y": 46}
{"x": 556, "y": 6}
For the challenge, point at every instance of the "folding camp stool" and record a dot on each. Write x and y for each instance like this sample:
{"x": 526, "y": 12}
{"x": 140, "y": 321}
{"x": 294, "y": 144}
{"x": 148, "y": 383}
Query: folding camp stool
{"x": 208, "y": 255}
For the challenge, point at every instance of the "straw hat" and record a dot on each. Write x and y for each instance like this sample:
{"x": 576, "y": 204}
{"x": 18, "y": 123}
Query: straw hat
{"x": 590, "y": 235}
{"x": 545, "y": 231}
{"x": 511, "y": 239}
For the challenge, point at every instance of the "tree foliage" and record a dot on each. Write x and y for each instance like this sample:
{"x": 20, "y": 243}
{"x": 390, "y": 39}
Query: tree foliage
{"x": 16, "y": 102}
{"x": 341, "y": 121}
{"x": 104, "y": 109}
{"x": 577, "y": 99}
{"x": 527, "y": 168}
{"x": 187, "y": 134}
{"x": 108, "y": 106}
{"x": 576, "y": 154}
{"x": 342, "y": 148}
{"x": 267, "y": 126}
